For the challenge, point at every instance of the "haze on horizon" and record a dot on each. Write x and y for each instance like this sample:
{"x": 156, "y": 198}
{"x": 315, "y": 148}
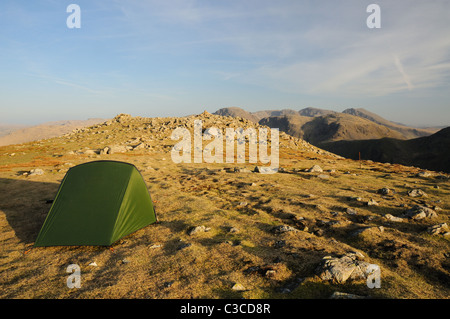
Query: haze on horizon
{"x": 181, "y": 57}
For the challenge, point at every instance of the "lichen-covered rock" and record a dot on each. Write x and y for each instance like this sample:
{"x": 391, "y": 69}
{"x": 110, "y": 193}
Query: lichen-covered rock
{"x": 417, "y": 193}
{"x": 418, "y": 212}
{"x": 340, "y": 270}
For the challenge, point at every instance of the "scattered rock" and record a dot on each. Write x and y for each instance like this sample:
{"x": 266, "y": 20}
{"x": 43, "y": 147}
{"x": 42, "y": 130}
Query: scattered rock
{"x": 439, "y": 229}
{"x": 423, "y": 174}
{"x": 418, "y": 212}
{"x": 198, "y": 229}
{"x": 385, "y": 191}
{"x": 36, "y": 171}
{"x": 344, "y": 295}
{"x": 283, "y": 229}
{"x": 241, "y": 170}
{"x": 140, "y": 146}
{"x": 233, "y": 230}
{"x": 93, "y": 264}
{"x": 315, "y": 169}
{"x": 372, "y": 202}
{"x": 351, "y": 211}
{"x": 323, "y": 176}
{"x": 105, "y": 150}
{"x": 416, "y": 193}
{"x": 91, "y": 152}
{"x": 265, "y": 169}
{"x": 117, "y": 149}
{"x": 238, "y": 287}
{"x": 339, "y": 270}
{"x": 394, "y": 218}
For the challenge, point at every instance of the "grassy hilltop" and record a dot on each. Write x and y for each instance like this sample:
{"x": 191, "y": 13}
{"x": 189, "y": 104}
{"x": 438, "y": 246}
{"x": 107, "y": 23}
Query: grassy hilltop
{"x": 264, "y": 235}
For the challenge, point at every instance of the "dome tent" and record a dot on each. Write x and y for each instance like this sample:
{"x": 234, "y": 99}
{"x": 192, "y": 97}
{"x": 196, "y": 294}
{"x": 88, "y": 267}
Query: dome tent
{"x": 97, "y": 204}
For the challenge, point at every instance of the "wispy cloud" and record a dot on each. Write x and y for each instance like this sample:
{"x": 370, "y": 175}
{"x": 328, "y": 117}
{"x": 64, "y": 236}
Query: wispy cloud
{"x": 179, "y": 51}
{"x": 299, "y": 48}
{"x": 408, "y": 53}
{"x": 405, "y": 76}
{"x": 72, "y": 84}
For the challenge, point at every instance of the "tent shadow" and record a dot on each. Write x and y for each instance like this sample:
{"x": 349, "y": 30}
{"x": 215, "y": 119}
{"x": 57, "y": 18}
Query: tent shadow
{"x": 25, "y": 204}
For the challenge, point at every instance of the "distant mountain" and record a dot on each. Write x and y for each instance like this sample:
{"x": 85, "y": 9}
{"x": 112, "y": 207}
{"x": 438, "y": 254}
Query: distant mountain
{"x": 313, "y": 112}
{"x": 259, "y": 115}
{"x": 5, "y": 129}
{"x": 45, "y": 130}
{"x": 332, "y": 127}
{"x": 264, "y": 114}
{"x": 319, "y": 125}
{"x": 429, "y": 152}
{"x": 291, "y": 124}
{"x": 407, "y": 132}
{"x": 357, "y": 130}
{"x": 237, "y": 112}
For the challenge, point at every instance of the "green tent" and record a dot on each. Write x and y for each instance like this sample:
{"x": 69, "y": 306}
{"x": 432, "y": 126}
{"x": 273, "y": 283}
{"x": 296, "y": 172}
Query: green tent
{"x": 97, "y": 204}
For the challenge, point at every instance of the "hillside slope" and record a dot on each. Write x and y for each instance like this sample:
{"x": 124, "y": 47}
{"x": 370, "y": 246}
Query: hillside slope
{"x": 353, "y": 131}
{"x": 332, "y": 127}
{"x": 5, "y": 129}
{"x": 45, "y": 130}
{"x": 429, "y": 152}
{"x": 407, "y": 132}
{"x": 225, "y": 230}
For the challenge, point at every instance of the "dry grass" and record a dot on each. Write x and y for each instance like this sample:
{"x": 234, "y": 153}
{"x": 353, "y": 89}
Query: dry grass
{"x": 150, "y": 263}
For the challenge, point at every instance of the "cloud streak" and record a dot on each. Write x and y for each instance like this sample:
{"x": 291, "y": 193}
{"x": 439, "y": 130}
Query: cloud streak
{"x": 359, "y": 62}
{"x": 262, "y": 51}
{"x": 405, "y": 76}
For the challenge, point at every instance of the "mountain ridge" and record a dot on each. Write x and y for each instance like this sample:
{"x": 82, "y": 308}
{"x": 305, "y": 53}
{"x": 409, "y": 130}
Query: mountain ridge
{"x": 357, "y": 130}
{"x": 23, "y": 134}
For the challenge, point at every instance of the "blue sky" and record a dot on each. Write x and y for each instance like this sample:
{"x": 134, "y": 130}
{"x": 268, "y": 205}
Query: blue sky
{"x": 181, "y": 57}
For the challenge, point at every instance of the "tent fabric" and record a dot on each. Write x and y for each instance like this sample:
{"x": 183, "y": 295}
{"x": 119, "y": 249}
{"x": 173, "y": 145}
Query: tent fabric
{"x": 97, "y": 204}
